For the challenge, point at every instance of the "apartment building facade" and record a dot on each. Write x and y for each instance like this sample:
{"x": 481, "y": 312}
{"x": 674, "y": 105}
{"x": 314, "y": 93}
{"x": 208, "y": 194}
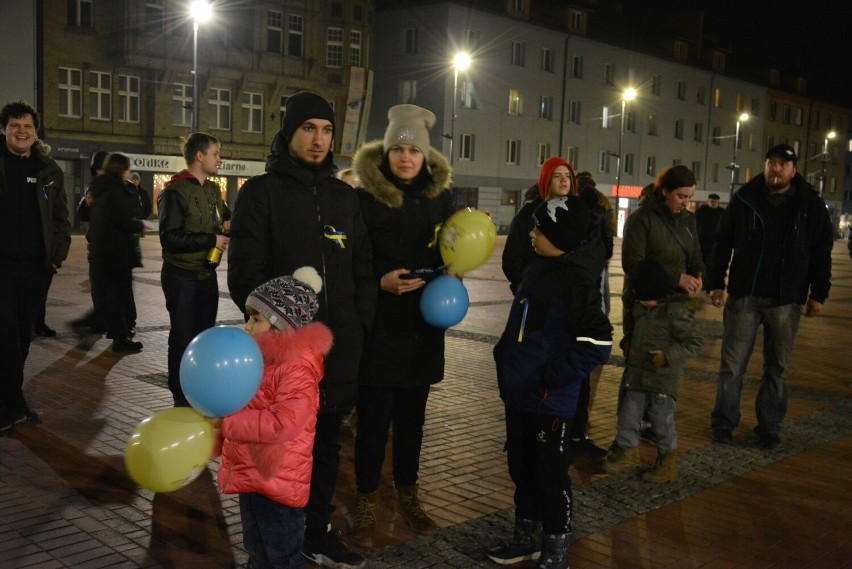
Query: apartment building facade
{"x": 536, "y": 89}
{"x": 119, "y": 76}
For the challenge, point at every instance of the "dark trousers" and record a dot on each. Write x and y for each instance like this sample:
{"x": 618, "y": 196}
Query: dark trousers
{"x": 97, "y": 318}
{"x": 42, "y": 303}
{"x": 192, "y": 305}
{"x": 378, "y": 408}
{"x": 272, "y": 533}
{"x": 581, "y": 415}
{"x": 324, "y": 474}
{"x": 539, "y": 455}
{"x": 118, "y": 289}
{"x": 21, "y": 285}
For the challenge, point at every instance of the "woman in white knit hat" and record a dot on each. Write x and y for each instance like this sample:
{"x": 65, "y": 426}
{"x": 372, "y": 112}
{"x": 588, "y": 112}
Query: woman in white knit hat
{"x": 405, "y": 199}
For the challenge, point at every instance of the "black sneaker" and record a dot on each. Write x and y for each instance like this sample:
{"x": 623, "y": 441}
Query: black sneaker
{"x": 10, "y": 418}
{"x": 328, "y": 550}
{"x": 587, "y": 448}
{"x": 44, "y": 331}
{"x": 7, "y": 421}
{"x": 768, "y": 441}
{"x": 723, "y": 437}
{"x": 126, "y": 346}
{"x": 511, "y": 553}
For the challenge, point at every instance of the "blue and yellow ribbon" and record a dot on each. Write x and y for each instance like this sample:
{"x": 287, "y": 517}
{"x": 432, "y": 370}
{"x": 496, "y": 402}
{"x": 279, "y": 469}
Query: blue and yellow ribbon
{"x": 339, "y": 237}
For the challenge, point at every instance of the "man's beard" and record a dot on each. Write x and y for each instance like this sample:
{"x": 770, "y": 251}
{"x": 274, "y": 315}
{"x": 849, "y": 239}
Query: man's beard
{"x": 777, "y": 184}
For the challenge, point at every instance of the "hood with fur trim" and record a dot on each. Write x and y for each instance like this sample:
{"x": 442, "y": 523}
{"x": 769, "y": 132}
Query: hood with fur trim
{"x": 283, "y": 346}
{"x": 369, "y": 158}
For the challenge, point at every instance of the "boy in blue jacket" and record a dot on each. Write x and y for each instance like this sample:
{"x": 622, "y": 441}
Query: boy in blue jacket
{"x": 556, "y": 334}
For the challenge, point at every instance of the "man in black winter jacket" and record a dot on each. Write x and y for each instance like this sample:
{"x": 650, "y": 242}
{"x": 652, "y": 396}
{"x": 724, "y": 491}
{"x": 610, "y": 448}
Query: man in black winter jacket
{"x": 34, "y": 240}
{"x": 781, "y": 236}
{"x": 299, "y": 214}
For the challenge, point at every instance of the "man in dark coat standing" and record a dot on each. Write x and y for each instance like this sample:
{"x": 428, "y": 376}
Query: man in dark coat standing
{"x": 299, "y": 214}
{"x": 34, "y": 240}
{"x": 780, "y": 234}
{"x": 707, "y": 219}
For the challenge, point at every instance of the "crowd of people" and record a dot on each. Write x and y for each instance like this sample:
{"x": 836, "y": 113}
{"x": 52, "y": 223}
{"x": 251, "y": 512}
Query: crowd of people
{"x": 325, "y": 268}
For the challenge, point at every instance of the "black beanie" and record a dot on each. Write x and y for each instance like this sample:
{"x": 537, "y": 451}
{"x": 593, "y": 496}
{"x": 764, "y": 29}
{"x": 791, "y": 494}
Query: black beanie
{"x": 97, "y": 162}
{"x": 564, "y": 221}
{"x": 650, "y": 281}
{"x": 301, "y": 107}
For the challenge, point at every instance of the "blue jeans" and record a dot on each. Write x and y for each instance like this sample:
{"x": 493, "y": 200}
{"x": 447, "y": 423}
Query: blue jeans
{"x": 660, "y": 409}
{"x": 742, "y": 317}
{"x": 192, "y": 305}
{"x": 272, "y": 533}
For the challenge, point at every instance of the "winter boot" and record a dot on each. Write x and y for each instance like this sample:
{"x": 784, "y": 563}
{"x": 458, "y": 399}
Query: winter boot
{"x": 409, "y": 508}
{"x": 665, "y": 469}
{"x": 554, "y": 551}
{"x": 364, "y": 527}
{"x": 622, "y": 460}
{"x": 525, "y": 544}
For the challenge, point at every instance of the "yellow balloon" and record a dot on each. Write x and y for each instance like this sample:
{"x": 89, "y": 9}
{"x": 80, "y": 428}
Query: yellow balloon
{"x": 169, "y": 449}
{"x": 467, "y": 240}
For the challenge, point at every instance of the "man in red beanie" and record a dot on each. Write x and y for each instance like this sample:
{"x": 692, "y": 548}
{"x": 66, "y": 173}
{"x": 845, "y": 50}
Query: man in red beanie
{"x": 298, "y": 214}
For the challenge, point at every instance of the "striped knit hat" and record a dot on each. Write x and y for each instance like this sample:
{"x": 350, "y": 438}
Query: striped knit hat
{"x": 288, "y": 301}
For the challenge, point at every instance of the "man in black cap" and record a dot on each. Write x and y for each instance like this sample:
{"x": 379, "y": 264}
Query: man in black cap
{"x": 298, "y": 214}
{"x": 780, "y": 233}
{"x": 707, "y": 220}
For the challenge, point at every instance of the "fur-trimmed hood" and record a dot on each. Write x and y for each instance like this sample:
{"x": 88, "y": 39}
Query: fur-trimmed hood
{"x": 282, "y": 346}
{"x": 369, "y": 158}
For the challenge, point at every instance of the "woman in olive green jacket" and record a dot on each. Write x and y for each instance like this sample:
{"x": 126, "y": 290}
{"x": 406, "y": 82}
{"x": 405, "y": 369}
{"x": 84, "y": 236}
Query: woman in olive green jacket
{"x": 663, "y": 230}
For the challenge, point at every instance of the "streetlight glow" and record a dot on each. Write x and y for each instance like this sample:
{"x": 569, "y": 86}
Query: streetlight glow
{"x": 734, "y": 166}
{"x": 200, "y": 11}
{"x": 461, "y": 62}
{"x": 825, "y": 158}
{"x": 628, "y": 95}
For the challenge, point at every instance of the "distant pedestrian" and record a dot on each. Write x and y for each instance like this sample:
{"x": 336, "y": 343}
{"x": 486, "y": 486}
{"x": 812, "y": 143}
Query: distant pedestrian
{"x": 780, "y": 234}
{"x": 92, "y": 322}
{"x": 267, "y": 446}
{"x": 665, "y": 335}
{"x": 114, "y": 247}
{"x": 707, "y": 219}
{"x": 193, "y": 226}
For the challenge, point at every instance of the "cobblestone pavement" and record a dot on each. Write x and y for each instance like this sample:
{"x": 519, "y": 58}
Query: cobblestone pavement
{"x": 66, "y": 501}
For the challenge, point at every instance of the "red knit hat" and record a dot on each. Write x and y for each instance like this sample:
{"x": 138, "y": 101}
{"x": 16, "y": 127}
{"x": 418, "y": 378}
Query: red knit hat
{"x": 547, "y": 169}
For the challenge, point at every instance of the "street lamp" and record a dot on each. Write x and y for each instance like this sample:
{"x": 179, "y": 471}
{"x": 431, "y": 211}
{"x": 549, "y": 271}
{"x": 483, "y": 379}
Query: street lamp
{"x": 629, "y": 95}
{"x": 825, "y": 159}
{"x": 461, "y": 62}
{"x": 200, "y": 11}
{"x": 734, "y": 166}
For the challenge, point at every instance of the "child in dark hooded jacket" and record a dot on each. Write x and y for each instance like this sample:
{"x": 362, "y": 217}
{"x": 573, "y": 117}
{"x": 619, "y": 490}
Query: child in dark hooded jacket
{"x": 556, "y": 334}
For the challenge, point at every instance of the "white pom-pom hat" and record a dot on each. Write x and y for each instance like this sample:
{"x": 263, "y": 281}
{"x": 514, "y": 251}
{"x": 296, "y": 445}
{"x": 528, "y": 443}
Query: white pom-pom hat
{"x": 290, "y": 300}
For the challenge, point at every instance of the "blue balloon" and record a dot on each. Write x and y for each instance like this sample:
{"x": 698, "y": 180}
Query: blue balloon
{"x": 444, "y": 302}
{"x": 220, "y": 371}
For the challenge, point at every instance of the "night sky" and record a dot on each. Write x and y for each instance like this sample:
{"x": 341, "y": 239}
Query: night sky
{"x": 816, "y": 35}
